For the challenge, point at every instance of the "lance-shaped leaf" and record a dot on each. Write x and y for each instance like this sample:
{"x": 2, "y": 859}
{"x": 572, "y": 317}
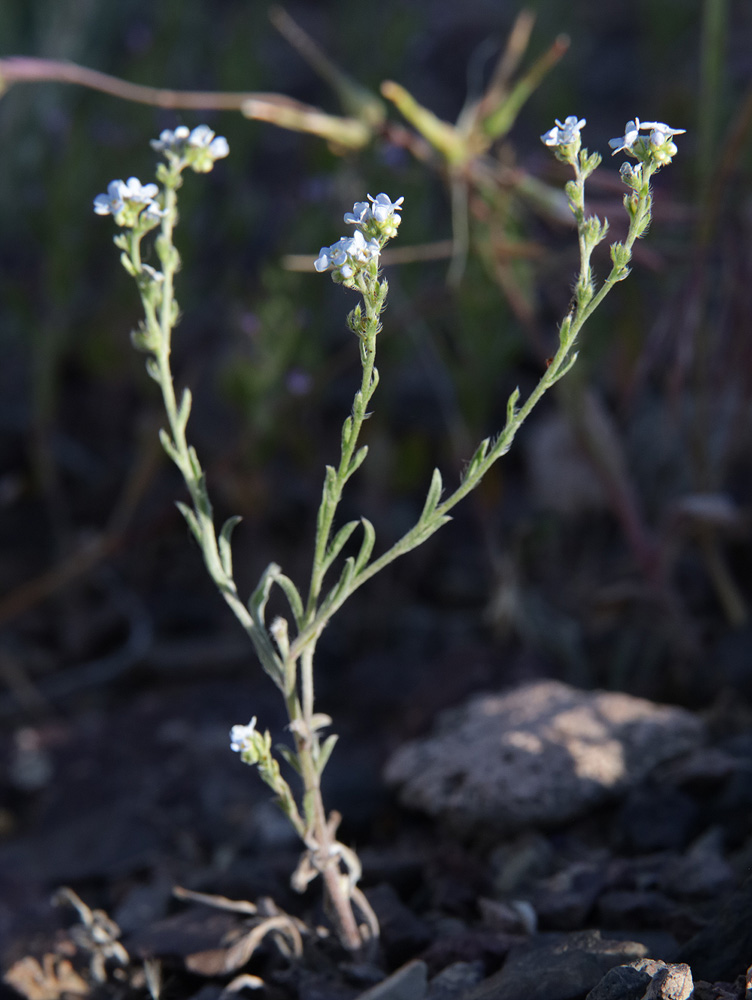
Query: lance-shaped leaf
{"x": 258, "y": 599}
{"x": 338, "y": 542}
{"x": 478, "y": 458}
{"x": 292, "y": 594}
{"x": 224, "y": 542}
{"x": 366, "y": 546}
{"x": 357, "y": 460}
{"x": 325, "y": 752}
{"x": 434, "y": 495}
{"x": 191, "y": 519}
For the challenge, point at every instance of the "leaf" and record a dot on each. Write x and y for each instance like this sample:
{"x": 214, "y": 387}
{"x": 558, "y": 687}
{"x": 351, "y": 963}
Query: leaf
{"x": 477, "y": 460}
{"x": 512, "y": 405}
{"x": 152, "y": 370}
{"x": 184, "y": 410}
{"x": 169, "y": 447}
{"x": 325, "y": 752}
{"x": 357, "y": 460}
{"x": 224, "y": 542}
{"x": 258, "y": 599}
{"x": 338, "y": 542}
{"x": 366, "y": 546}
{"x": 191, "y": 518}
{"x": 292, "y": 594}
{"x": 433, "y": 497}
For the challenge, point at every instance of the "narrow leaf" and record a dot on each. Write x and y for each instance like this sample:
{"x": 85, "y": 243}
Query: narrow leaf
{"x": 357, "y": 460}
{"x": 169, "y": 447}
{"x": 338, "y": 542}
{"x": 434, "y": 495}
{"x": 225, "y": 547}
{"x": 184, "y": 410}
{"x": 325, "y": 752}
{"x": 366, "y": 546}
{"x": 258, "y": 599}
{"x": 512, "y": 405}
{"x": 191, "y": 519}
{"x": 292, "y": 594}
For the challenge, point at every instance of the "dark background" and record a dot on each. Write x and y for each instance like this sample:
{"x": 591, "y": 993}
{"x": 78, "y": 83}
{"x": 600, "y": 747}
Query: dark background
{"x": 610, "y": 548}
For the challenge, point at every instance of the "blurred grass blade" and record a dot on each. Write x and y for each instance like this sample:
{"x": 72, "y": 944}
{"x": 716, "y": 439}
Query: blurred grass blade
{"x": 285, "y": 112}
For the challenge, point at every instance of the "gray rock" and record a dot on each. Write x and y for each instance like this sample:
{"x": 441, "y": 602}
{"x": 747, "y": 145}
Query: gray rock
{"x": 625, "y": 982}
{"x": 645, "y": 979}
{"x": 556, "y": 967}
{"x": 540, "y": 755}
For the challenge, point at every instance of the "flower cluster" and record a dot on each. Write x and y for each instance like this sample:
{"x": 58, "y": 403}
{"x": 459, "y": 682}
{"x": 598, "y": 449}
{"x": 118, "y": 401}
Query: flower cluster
{"x": 657, "y": 147}
{"x": 564, "y": 134}
{"x": 377, "y": 221}
{"x": 128, "y": 201}
{"x": 199, "y": 148}
{"x": 241, "y": 737}
{"x": 133, "y": 204}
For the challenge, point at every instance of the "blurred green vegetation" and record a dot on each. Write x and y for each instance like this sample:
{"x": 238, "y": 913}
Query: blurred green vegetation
{"x": 667, "y": 357}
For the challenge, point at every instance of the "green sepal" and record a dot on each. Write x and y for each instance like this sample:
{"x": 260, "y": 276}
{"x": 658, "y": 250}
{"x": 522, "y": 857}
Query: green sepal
{"x": 190, "y": 518}
{"x": 224, "y": 543}
{"x": 325, "y": 752}
{"x": 366, "y": 546}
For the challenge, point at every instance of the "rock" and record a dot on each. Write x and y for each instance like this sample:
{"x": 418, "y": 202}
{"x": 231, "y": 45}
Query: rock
{"x": 540, "y": 755}
{"x": 556, "y": 967}
{"x": 721, "y": 950}
{"x": 625, "y": 982}
{"x": 408, "y": 983}
{"x": 645, "y": 979}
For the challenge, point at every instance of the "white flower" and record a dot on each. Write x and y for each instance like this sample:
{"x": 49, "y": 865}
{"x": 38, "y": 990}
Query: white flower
{"x": 346, "y": 252}
{"x": 199, "y": 146}
{"x": 564, "y": 134}
{"x": 241, "y": 737}
{"x": 124, "y": 195}
{"x": 659, "y": 133}
{"x": 203, "y": 138}
{"x": 383, "y": 208}
{"x": 360, "y": 249}
{"x": 138, "y": 193}
{"x": 112, "y": 202}
{"x": 171, "y": 141}
{"x": 361, "y": 213}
